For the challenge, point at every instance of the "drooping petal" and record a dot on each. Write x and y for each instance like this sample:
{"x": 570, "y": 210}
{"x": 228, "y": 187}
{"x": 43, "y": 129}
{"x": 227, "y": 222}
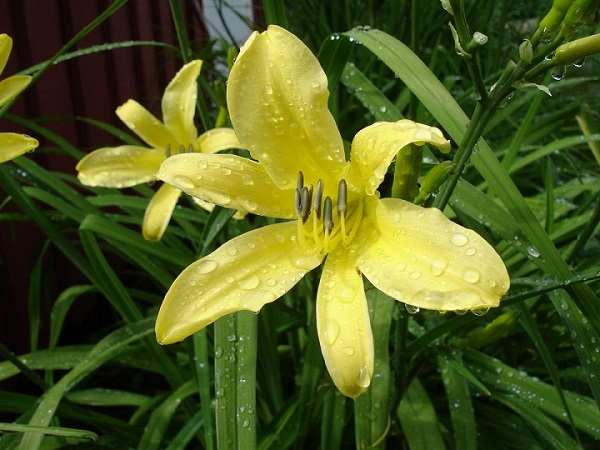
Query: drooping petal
{"x": 216, "y": 140}
{"x": 343, "y": 324}
{"x": 158, "y": 213}
{"x": 375, "y": 146}
{"x": 12, "y": 86}
{"x": 5, "y": 48}
{"x": 420, "y": 257}
{"x": 277, "y": 97}
{"x": 119, "y": 167}
{"x": 151, "y": 130}
{"x": 14, "y": 144}
{"x": 179, "y": 102}
{"x": 230, "y": 181}
{"x": 245, "y": 273}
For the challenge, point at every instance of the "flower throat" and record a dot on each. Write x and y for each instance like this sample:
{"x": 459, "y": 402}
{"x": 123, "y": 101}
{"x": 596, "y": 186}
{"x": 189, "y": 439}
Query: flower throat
{"x": 317, "y": 229}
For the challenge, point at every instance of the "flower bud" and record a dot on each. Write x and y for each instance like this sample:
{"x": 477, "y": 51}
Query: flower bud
{"x": 434, "y": 179}
{"x": 526, "y": 52}
{"x": 577, "y": 50}
{"x": 552, "y": 20}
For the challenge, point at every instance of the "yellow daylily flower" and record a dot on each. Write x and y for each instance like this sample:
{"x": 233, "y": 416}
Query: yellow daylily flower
{"x": 12, "y": 144}
{"x": 277, "y": 97}
{"x": 129, "y": 165}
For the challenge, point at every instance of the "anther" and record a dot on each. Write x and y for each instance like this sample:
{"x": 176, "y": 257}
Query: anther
{"x": 342, "y": 200}
{"x": 168, "y": 151}
{"x": 305, "y": 200}
{"x": 190, "y": 148}
{"x": 318, "y": 198}
{"x": 181, "y": 148}
{"x": 327, "y": 216}
{"x": 300, "y": 182}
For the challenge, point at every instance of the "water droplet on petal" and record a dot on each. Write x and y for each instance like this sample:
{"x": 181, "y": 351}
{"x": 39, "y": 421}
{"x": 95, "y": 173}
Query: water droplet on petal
{"x": 470, "y": 251}
{"x": 411, "y": 309}
{"x": 349, "y": 351}
{"x": 438, "y": 265}
{"x": 331, "y": 332}
{"x": 206, "y": 266}
{"x": 183, "y": 182}
{"x": 249, "y": 283}
{"x": 364, "y": 378}
{"x": 231, "y": 251}
{"x": 471, "y": 276}
{"x": 459, "y": 239}
{"x": 480, "y": 311}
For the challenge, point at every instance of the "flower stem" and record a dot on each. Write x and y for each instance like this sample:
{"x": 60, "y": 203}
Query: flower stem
{"x": 371, "y": 409}
{"x": 235, "y": 380}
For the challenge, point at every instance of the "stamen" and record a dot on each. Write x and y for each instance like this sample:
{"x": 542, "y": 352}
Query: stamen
{"x": 342, "y": 201}
{"x": 300, "y": 181}
{"x": 305, "y": 203}
{"x": 190, "y": 148}
{"x": 327, "y": 216}
{"x": 298, "y": 202}
{"x": 181, "y": 148}
{"x": 318, "y": 198}
{"x": 168, "y": 151}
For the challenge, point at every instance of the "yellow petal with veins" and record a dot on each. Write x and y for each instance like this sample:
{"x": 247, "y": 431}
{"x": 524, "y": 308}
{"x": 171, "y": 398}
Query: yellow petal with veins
{"x": 14, "y": 144}
{"x": 216, "y": 140}
{"x": 158, "y": 213}
{"x": 245, "y": 273}
{"x": 143, "y": 123}
{"x": 119, "y": 167}
{"x": 277, "y": 97}
{"x": 179, "y": 103}
{"x": 5, "y": 48}
{"x": 375, "y": 146}
{"x": 12, "y": 86}
{"x": 420, "y": 257}
{"x": 343, "y": 324}
{"x": 229, "y": 181}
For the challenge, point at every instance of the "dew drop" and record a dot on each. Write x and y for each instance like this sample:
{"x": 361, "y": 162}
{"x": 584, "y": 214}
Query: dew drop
{"x": 438, "y": 265}
{"x": 411, "y": 309}
{"x": 249, "y": 283}
{"x": 472, "y": 276}
{"x": 364, "y": 378}
{"x": 183, "y": 182}
{"x": 459, "y": 239}
{"x": 206, "y": 266}
{"x": 470, "y": 251}
{"x": 332, "y": 331}
{"x": 559, "y": 72}
{"x": 480, "y": 311}
{"x": 349, "y": 351}
{"x": 231, "y": 251}
{"x": 415, "y": 275}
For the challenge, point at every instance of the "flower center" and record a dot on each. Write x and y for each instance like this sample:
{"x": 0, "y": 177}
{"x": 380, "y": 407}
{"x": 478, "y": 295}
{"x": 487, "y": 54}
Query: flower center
{"x": 317, "y": 229}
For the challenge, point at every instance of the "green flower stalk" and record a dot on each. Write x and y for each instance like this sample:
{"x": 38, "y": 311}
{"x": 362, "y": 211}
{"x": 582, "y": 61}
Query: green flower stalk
{"x": 12, "y": 144}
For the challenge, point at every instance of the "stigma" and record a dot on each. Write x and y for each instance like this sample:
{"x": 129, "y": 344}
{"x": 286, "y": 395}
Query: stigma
{"x": 317, "y": 227}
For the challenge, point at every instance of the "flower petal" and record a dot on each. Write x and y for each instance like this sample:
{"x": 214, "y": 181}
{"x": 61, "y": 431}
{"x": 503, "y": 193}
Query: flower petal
{"x": 159, "y": 211}
{"x": 119, "y": 167}
{"x": 343, "y": 324}
{"x": 5, "y": 48}
{"x": 245, "y": 273}
{"x": 179, "y": 103}
{"x": 277, "y": 97}
{"x": 147, "y": 127}
{"x": 14, "y": 144}
{"x": 216, "y": 140}
{"x": 420, "y": 257}
{"x": 230, "y": 181}
{"x": 12, "y": 86}
{"x": 375, "y": 146}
